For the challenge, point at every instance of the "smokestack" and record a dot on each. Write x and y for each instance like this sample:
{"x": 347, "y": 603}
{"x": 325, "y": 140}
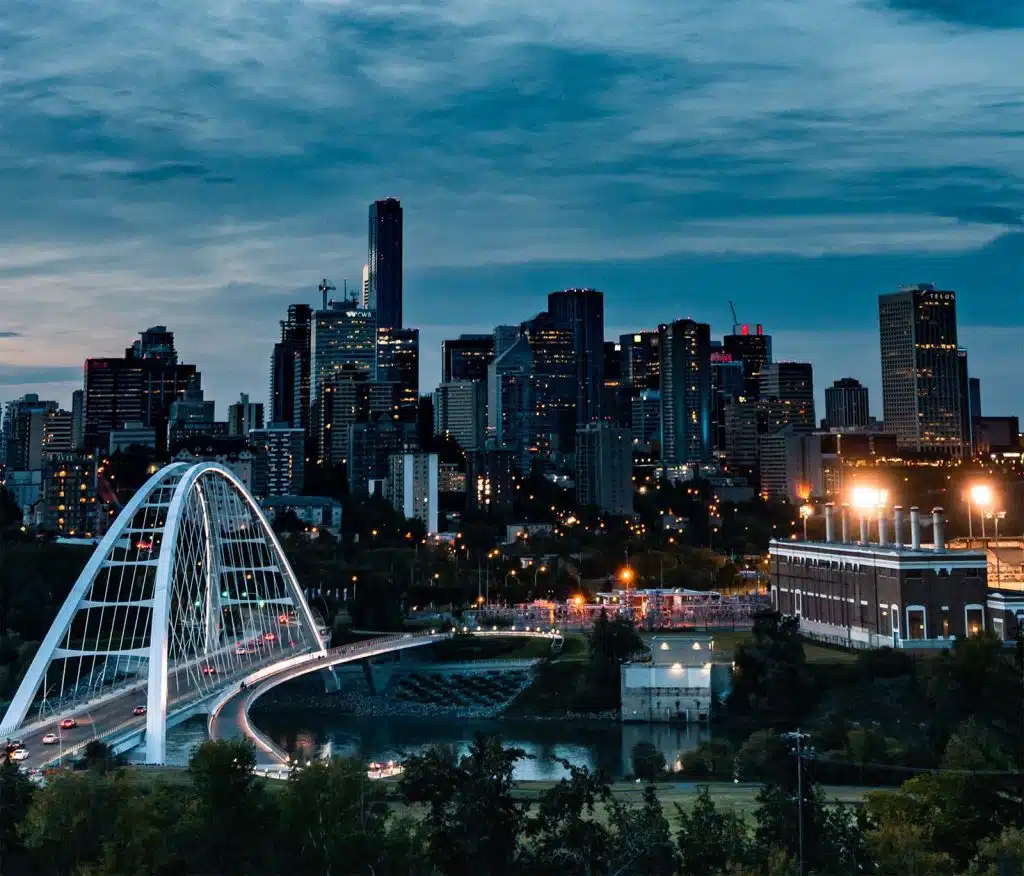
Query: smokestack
{"x": 844, "y": 523}
{"x": 830, "y": 524}
{"x": 915, "y": 528}
{"x": 864, "y": 534}
{"x": 883, "y": 528}
{"x": 939, "y": 529}
{"x": 897, "y": 525}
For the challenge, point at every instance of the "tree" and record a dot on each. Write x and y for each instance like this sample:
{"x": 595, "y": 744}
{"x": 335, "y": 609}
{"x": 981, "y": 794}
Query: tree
{"x": 641, "y": 841}
{"x": 999, "y": 855}
{"x": 709, "y": 840}
{"x": 335, "y": 819}
{"x": 15, "y": 799}
{"x": 97, "y": 757}
{"x": 648, "y": 761}
{"x": 472, "y": 823}
{"x": 232, "y": 812}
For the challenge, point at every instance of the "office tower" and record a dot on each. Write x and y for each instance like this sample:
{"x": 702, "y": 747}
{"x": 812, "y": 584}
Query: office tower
{"x": 742, "y": 428}
{"x": 922, "y": 397}
{"x": 753, "y": 349}
{"x": 364, "y": 299}
{"x": 191, "y": 416}
{"x": 344, "y": 337}
{"x": 505, "y": 337}
{"x": 460, "y": 411}
{"x": 491, "y": 479}
{"x": 846, "y": 405}
{"x": 285, "y": 449}
{"x": 68, "y": 503}
{"x": 384, "y": 263}
{"x": 467, "y": 357}
{"x": 351, "y": 397}
{"x": 645, "y": 417}
{"x": 398, "y": 363}
{"x": 616, "y": 403}
{"x": 290, "y": 371}
{"x": 554, "y": 382}
{"x": 582, "y": 312}
{"x": 77, "y": 419}
{"x": 371, "y": 446}
{"x": 244, "y": 416}
{"x": 966, "y": 428}
{"x": 57, "y": 432}
{"x": 791, "y": 465}
{"x": 511, "y": 412}
{"x": 728, "y": 385}
{"x": 23, "y": 432}
{"x": 139, "y": 388}
{"x": 791, "y": 386}
{"x": 604, "y": 468}
{"x": 412, "y": 487}
{"x": 641, "y": 361}
{"x": 684, "y": 347}
{"x": 974, "y": 391}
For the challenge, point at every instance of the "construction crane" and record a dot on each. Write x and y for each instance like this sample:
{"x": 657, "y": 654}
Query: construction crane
{"x": 324, "y": 288}
{"x": 735, "y": 318}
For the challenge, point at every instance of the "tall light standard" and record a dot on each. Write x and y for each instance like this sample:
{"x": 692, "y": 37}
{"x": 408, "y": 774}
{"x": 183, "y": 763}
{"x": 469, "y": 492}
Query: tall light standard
{"x": 996, "y": 517}
{"x": 805, "y": 512}
{"x": 981, "y": 496}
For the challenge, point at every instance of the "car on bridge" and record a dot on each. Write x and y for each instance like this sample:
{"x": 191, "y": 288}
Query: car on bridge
{"x": 51, "y": 739}
{"x": 139, "y": 710}
{"x": 68, "y": 724}
{"x": 19, "y": 754}
{"x": 209, "y": 670}
{"x": 241, "y": 650}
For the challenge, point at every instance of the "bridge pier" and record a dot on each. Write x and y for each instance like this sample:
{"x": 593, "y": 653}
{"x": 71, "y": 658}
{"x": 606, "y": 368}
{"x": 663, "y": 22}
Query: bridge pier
{"x": 330, "y": 679}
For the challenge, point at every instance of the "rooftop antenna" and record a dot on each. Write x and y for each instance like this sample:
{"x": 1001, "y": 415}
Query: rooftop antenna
{"x": 325, "y": 287}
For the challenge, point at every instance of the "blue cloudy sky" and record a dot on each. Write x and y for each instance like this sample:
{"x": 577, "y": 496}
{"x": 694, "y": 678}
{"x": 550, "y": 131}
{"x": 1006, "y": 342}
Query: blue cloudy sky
{"x": 203, "y": 164}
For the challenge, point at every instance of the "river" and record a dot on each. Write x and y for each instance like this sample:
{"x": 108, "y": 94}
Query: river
{"x": 593, "y": 744}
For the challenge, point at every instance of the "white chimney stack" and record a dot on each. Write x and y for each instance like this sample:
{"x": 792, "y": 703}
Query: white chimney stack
{"x": 939, "y": 529}
{"x": 844, "y": 523}
{"x": 864, "y": 534}
{"x": 883, "y": 528}
{"x": 915, "y": 528}
{"x": 897, "y": 525}
{"x": 830, "y": 523}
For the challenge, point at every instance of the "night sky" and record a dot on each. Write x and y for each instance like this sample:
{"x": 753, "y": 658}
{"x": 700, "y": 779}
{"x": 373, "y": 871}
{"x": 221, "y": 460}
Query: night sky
{"x": 203, "y": 165}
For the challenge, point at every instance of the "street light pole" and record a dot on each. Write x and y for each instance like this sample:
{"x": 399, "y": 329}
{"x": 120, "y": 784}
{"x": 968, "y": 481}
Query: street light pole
{"x": 798, "y": 737}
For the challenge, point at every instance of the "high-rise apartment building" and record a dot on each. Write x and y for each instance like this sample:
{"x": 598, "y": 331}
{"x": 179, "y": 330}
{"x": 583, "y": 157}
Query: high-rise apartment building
{"x": 753, "y": 348}
{"x": 511, "y": 412}
{"x": 351, "y": 397}
{"x": 460, "y": 411}
{"x": 398, "y": 363}
{"x": 371, "y": 446}
{"x": 645, "y": 421}
{"x": 412, "y": 487}
{"x": 582, "y": 312}
{"x": 641, "y": 361}
{"x": 290, "y": 369}
{"x": 728, "y": 386}
{"x": 491, "y": 479}
{"x": 139, "y": 388}
{"x": 922, "y": 375}
{"x": 192, "y": 416}
{"x": 57, "y": 432}
{"x": 344, "y": 337}
{"x": 685, "y": 350}
{"x": 384, "y": 263}
{"x": 68, "y": 505}
{"x": 604, "y": 468}
{"x": 791, "y": 386}
{"x": 467, "y": 357}
{"x": 846, "y": 405}
{"x": 23, "y": 428}
{"x": 244, "y": 416}
{"x": 285, "y": 449}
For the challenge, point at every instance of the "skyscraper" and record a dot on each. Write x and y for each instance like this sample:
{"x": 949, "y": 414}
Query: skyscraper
{"x": 244, "y": 416}
{"x": 554, "y": 381}
{"x": 398, "y": 363}
{"x": 753, "y": 349}
{"x": 136, "y": 389}
{"x": 791, "y": 386}
{"x": 685, "y": 349}
{"x": 922, "y": 376}
{"x": 641, "y": 362}
{"x": 290, "y": 369}
{"x": 467, "y": 357}
{"x": 344, "y": 337}
{"x": 582, "y": 312}
{"x": 604, "y": 468}
{"x": 846, "y": 404}
{"x": 511, "y": 412}
{"x": 384, "y": 263}
{"x": 460, "y": 410}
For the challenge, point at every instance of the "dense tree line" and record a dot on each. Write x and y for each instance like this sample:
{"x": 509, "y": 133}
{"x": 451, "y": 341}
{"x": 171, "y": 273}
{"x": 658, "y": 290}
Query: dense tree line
{"x": 451, "y": 815}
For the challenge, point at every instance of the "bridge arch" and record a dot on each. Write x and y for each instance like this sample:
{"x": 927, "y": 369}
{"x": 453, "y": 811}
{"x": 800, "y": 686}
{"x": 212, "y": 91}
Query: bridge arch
{"x": 189, "y": 590}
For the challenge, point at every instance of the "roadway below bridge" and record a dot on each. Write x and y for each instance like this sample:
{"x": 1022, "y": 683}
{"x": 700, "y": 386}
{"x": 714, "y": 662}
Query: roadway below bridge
{"x": 229, "y": 715}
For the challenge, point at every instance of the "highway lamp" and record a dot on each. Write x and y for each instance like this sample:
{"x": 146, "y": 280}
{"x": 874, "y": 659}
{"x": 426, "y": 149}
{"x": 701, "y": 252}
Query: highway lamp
{"x": 806, "y": 511}
{"x": 981, "y": 496}
{"x": 996, "y": 517}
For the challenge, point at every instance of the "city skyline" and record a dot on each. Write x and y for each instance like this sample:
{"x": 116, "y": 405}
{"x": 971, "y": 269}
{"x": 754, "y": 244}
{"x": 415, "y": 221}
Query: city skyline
{"x": 211, "y": 210}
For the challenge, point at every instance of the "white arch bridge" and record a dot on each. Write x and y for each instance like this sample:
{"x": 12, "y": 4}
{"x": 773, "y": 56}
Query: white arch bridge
{"x": 187, "y": 606}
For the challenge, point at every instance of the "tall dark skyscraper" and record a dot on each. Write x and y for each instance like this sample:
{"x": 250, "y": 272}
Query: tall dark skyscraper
{"x": 685, "y": 348}
{"x": 582, "y": 311}
{"x": 554, "y": 381}
{"x": 752, "y": 347}
{"x": 923, "y": 377}
{"x": 846, "y": 404}
{"x": 789, "y": 387}
{"x": 384, "y": 263}
{"x": 641, "y": 363}
{"x": 398, "y": 363}
{"x": 290, "y": 369}
{"x": 466, "y": 357}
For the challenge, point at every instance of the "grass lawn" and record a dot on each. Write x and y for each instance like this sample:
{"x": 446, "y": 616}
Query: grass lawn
{"x": 727, "y": 640}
